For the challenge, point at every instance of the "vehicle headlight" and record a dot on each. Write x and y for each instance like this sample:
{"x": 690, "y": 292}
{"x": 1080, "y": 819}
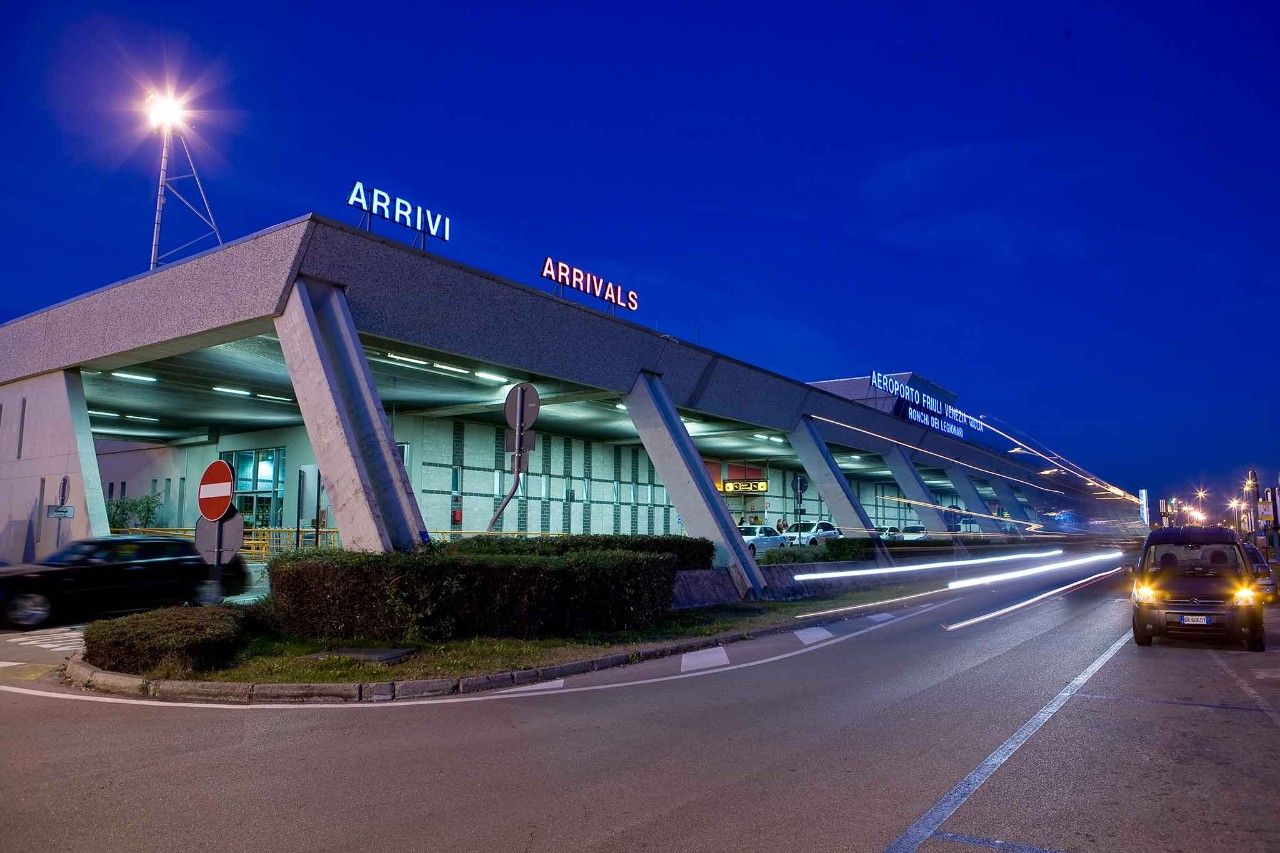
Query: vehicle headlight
{"x": 1144, "y": 594}
{"x": 1246, "y": 596}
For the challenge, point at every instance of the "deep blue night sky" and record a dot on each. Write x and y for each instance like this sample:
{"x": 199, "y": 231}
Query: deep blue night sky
{"x": 1067, "y": 216}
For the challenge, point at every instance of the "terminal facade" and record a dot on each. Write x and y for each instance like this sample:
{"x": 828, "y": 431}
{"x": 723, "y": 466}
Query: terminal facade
{"x": 357, "y": 384}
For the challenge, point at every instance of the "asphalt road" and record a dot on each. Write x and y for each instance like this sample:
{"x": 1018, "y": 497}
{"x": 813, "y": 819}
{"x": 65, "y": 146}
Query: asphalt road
{"x": 1068, "y": 737}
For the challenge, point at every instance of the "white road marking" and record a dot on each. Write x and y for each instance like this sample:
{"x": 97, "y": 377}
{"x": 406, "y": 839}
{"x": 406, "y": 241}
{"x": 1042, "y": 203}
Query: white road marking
{"x": 458, "y": 700}
{"x": 931, "y": 821}
{"x": 880, "y": 617}
{"x": 4, "y": 663}
{"x": 541, "y": 685}
{"x": 809, "y": 636}
{"x": 704, "y": 659}
{"x": 1266, "y": 673}
{"x": 1267, "y": 707}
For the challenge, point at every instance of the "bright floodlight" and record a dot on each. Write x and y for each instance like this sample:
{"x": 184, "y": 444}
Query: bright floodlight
{"x": 164, "y": 110}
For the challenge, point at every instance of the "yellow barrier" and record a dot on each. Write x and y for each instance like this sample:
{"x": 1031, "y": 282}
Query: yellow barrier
{"x": 261, "y": 543}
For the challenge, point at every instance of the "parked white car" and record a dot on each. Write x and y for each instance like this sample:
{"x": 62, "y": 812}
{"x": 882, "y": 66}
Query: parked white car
{"x": 913, "y": 532}
{"x": 760, "y": 538}
{"x": 811, "y": 532}
{"x": 889, "y": 533}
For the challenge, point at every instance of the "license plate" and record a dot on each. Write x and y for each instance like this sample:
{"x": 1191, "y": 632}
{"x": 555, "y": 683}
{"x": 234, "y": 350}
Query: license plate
{"x": 1195, "y": 620}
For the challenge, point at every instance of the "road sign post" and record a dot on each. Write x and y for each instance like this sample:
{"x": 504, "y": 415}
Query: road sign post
{"x": 223, "y": 525}
{"x": 522, "y": 410}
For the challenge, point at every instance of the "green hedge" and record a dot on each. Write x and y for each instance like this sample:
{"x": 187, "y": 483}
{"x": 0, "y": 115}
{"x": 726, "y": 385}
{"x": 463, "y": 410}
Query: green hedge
{"x": 169, "y": 642}
{"x": 826, "y": 551}
{"x": 690, "y": 552}
{"x": 440, "y": 593}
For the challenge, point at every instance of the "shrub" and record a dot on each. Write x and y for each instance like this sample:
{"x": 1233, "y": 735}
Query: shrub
{"x": 787, "y": 556}
{"x": 690, "y": 552}
{"x": 848, "y": 549}
{"x": 172, "y": 641}
{"x": 440, "y": 593}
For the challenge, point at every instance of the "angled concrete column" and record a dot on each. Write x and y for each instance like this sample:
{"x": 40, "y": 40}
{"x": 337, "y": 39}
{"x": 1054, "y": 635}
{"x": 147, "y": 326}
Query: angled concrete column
{"x": 44, "y": 437}
{"x": 913, "y": 486}
{"x": 689, "y": 485}
{"x": 832, "y": 484}
{"x": 972, "y": 500}
{"x": 1017, "y": 511}
{"x": 369, "y": 491}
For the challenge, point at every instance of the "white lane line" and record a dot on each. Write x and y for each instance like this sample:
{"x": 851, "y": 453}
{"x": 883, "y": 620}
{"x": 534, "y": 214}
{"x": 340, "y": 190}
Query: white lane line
{"x": 879, "y": 617}
{"x": 929, "y": 823}
{"x": 1258, "y": 699}
{"x": 1266, "y": 673}
{"x": 704, "y": 659}
{"x": 459, "y": 700}
{"x": 809, "y": 636}
{"x": 541, "y": 685}
{"x": 1071, "y": 587}
{"x": 4, "y": 663}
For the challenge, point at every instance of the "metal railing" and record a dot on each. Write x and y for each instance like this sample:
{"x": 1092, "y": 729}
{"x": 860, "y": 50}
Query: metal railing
{"x": 260, "y": 543}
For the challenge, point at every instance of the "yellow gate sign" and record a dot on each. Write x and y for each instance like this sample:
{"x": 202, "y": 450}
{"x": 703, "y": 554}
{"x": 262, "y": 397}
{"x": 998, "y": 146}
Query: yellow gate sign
{"x": 730, "y": 487}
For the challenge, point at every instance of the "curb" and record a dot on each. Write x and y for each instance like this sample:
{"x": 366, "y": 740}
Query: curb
{"x": 86, "y": 675}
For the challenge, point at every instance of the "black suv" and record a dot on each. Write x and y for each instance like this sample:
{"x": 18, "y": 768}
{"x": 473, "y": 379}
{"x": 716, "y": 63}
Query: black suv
{"x": 1196, "y": 581}
{"x": 106, "y": 575}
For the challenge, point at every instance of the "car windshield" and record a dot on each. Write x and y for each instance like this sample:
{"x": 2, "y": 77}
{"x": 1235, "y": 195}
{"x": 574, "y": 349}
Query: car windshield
{"x": 913, "y": 530}
{"x": 1173, "y": 559}
{"x": 749, "y": 531}
{"x": 803, "y": 526}
{"x": 75, "y": 553}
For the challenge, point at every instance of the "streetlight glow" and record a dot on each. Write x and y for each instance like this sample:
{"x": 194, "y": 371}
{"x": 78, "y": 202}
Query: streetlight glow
{"x": 164, "y": 110}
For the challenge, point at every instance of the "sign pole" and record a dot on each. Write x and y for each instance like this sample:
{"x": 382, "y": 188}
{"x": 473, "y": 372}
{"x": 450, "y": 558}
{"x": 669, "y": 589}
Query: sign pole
{"x": 522, "y": 410}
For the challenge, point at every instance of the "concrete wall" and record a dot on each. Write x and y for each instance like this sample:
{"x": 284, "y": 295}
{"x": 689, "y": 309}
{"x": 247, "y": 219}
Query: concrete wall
{"x": 44, "y": 437}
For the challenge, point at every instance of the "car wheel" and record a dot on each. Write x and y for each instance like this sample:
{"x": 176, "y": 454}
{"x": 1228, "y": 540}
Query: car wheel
{"x": 1141, "y": 636}
{"x": 813, "y": 542}
{"x": 1257, "y": 642}
{"x": 29, "y": 610}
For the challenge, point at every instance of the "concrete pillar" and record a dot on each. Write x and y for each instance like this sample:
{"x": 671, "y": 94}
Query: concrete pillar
{"x": 1017, "y": 511}
{"x": 972, "y": 500}
{"x": 45, "y": 436}
{"x": 913, "y": 486}
{"x": 369, "y": 491}
{"x": 689, "y": 486}
{"x": 832, "y": 484}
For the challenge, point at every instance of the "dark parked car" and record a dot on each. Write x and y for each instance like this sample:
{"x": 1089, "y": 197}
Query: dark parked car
{"x": 118, "y": 573}
{"x": 1266, "y": 575}
{"x": 1196, "y": 581}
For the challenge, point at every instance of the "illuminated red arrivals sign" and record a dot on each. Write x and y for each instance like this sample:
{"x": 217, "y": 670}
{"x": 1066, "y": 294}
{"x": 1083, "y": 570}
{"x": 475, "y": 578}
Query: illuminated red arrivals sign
{"x": 590, "y": 284}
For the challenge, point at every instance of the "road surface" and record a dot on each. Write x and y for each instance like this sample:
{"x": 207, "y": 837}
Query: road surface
{"x": 1045, "y": 728}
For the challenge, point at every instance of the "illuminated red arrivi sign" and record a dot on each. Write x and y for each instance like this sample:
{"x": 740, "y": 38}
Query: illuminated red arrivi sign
{"x": 590, "y": 284}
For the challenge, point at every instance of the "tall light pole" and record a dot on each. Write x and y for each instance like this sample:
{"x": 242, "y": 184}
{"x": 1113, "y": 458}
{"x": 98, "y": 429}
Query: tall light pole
{"x": 167, "y": 116}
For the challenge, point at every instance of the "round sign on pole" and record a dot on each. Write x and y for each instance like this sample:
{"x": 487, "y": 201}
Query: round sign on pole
{"x": 522, "y": 406}
{"x": 217, "y": 488}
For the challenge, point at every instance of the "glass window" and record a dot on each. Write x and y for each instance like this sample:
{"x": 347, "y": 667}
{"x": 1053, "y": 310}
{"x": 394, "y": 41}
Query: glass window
{"x": 266, "y": 468}
{"x": 455, "y": 480}
{"x": 260, "y": 476}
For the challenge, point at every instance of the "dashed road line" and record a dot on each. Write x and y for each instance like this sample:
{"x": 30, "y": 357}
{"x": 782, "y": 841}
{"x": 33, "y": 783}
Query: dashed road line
{"x": 704, "y": 659}
{"x": 1267, "y": 708}
{"x": 879, "y": 617}
{"x": 532, "y": 688}
{"x": 4, "y": 663}
{"x": 931, "y": 821}
{"x": 813, "y": 635}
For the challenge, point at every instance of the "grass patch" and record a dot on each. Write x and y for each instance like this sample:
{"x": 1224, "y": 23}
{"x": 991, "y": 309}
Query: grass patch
{"x": 265, "y": 659}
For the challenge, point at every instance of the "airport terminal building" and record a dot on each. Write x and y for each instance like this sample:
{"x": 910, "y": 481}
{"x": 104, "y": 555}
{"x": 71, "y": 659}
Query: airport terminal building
{"x": 357, "y": 385}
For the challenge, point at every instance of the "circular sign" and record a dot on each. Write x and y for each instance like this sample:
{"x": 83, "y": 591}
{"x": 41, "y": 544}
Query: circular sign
{"x": 522, "y": 406}
{"x": 217, "y": 487}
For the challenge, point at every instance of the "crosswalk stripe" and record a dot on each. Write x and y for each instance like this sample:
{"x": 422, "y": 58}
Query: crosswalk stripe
{"x": 808, "y": 636}
{"x": 541, "y": 685}
{"x": 704, "y": 659}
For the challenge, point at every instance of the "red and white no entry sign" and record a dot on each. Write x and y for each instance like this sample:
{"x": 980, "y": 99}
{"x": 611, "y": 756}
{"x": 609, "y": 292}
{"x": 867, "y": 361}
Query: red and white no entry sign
{"x": 217, "y": 487}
